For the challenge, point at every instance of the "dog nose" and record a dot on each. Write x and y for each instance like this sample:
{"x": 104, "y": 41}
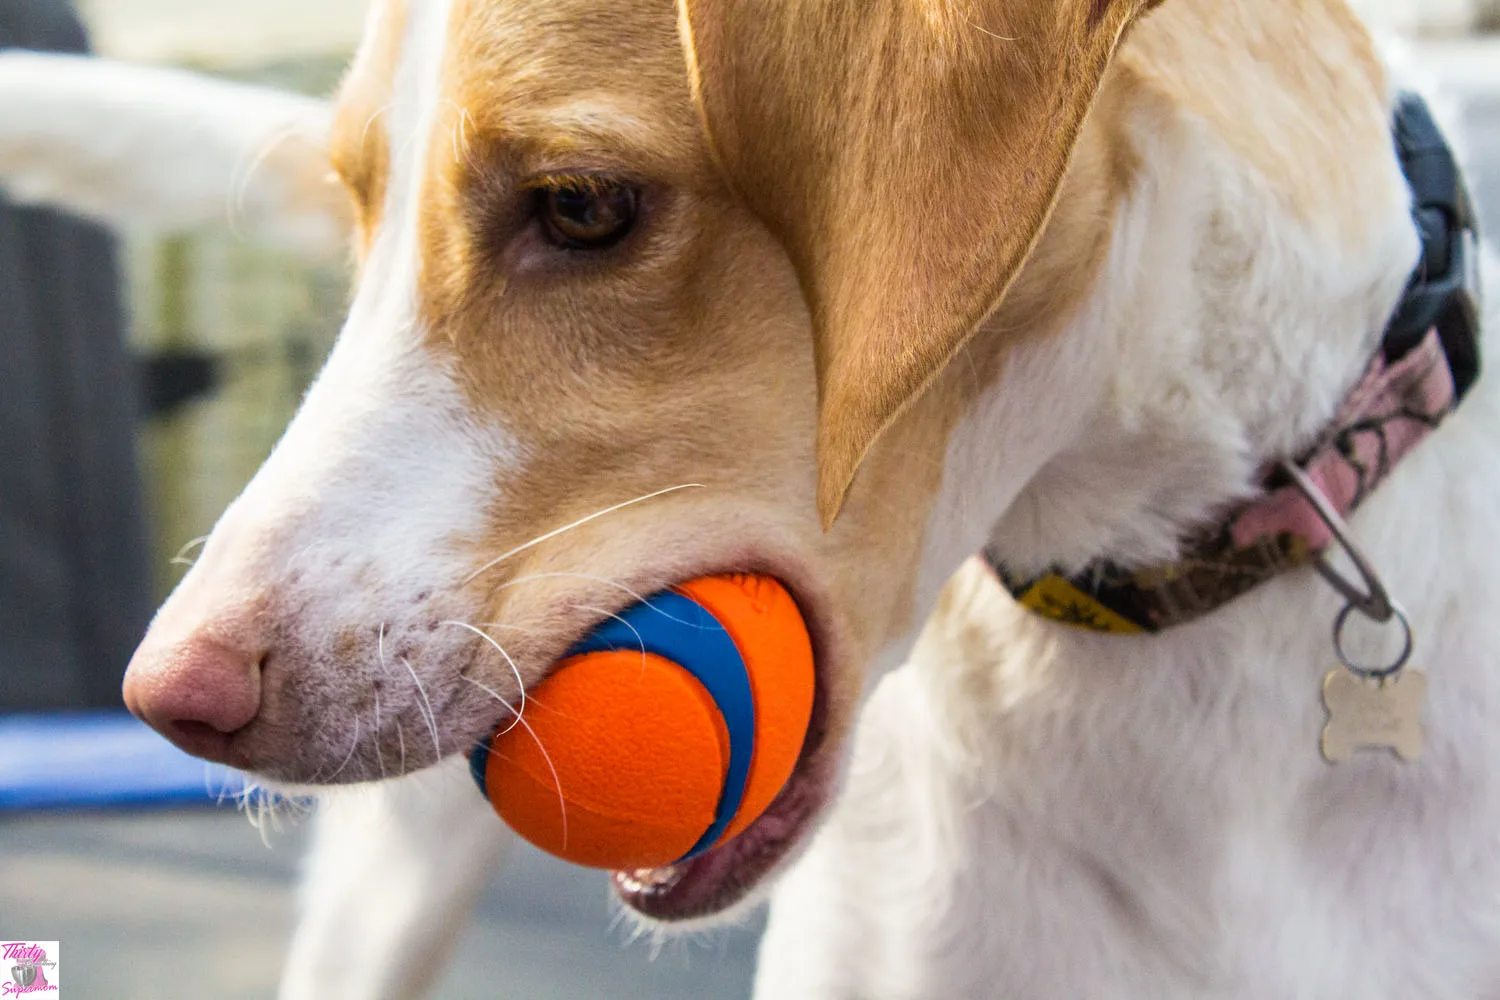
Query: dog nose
{"x": 197, "y": 693}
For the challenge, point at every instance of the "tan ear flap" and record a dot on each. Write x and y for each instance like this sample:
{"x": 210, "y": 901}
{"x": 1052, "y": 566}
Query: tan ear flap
{"x": 907, "y": 153}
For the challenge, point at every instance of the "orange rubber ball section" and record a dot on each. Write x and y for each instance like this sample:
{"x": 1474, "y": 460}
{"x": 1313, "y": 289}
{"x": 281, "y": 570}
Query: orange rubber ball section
{"x": 636, "y": 750}
{"x": 765, "y": 623}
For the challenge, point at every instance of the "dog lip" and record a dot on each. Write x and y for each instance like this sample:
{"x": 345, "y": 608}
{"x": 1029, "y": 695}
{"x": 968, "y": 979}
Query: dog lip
{"x": 728, "y": 874}
{"x": 725, "y": 876}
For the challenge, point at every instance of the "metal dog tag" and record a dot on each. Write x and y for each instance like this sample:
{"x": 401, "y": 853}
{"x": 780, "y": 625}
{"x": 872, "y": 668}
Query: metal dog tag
{"x": 1373, "y": 714}
{"x": 1368, "y": 708}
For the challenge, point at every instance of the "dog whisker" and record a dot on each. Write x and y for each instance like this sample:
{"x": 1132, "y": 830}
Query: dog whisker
{"x": 245, "y": 795}
{"x": 181, "y": 558}
{"x": 635, "y": 928}
{"x": 240, "y": 796}
{"x": 263, "y": 807}
{"x": 401, "y": 742}
{"x": 270, "y": 808}
{"x": 258, "y": 820}
{"x": 460, "y": 136}
{"x": 256, "y": 804}
{"x": 240, "y": 187}
{"x": 986, "y": 31}
{"x": 578, "y": 524}
{"x": 520, "y": 684}
{"x": 323, "y": 725}
{"x": 223, "y": 791}
{"x": 379, "y": 755}
{"x": 376, "y": 115}
{"x": 562, "y": 802}
{"x": 350, "y": 755}
{"x": 639, "y": 640}
{"x": 658, "y": 943}
{"x": 563, "y": 574}
{"x": 431, "y": 718}
{"x": 616, "y": 921}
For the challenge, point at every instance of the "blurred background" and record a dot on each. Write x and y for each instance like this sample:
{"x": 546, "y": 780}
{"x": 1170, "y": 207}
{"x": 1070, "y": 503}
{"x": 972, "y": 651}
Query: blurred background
{"x": 142, "y": 381}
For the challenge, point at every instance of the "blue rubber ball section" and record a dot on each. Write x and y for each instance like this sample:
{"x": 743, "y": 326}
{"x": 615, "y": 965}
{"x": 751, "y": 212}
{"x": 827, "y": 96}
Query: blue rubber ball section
{"x": 679, "y": 629}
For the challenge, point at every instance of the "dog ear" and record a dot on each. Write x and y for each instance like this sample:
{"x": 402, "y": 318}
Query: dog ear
{"x": 907, "y": 153}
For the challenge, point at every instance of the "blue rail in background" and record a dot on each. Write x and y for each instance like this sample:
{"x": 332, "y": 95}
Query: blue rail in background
{"x": 94, "y": 760}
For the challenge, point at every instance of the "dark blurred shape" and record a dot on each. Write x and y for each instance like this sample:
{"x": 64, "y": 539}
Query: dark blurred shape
{"x": 171, "y": 381}
{"x": 74, "y": 565}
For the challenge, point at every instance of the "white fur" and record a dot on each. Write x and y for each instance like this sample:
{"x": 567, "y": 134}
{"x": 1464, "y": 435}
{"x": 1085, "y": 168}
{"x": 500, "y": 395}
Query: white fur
{"x": 1053, "y": 813}
{"x": 382, "y": 907}
{"x": 1061, "y": 814}
{"x": 166, "y": 150}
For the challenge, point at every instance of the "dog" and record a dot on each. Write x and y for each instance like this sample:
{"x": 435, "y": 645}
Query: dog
{"x": 847, "y": 294}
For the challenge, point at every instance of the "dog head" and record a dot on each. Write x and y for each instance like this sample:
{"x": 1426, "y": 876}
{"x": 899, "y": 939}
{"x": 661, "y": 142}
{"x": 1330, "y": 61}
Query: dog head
{"x": 641, "y": 289}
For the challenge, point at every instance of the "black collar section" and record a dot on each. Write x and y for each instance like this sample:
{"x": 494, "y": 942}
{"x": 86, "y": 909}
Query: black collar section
{"x": 1445, "y": 289}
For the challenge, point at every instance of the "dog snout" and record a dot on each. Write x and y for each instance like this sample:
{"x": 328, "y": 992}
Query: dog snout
{"x": 197, "y": 691}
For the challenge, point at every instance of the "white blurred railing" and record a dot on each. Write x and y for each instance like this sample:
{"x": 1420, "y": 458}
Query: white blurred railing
{"x": 1432, "y": 18}
{"x": 225, "y": 33}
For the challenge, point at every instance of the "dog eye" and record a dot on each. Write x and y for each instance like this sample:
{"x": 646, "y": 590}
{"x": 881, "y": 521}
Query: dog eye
{"x": 587, "y": 214}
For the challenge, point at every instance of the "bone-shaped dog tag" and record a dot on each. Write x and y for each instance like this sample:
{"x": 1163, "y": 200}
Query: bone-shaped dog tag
{"x": 1373, "y": 714}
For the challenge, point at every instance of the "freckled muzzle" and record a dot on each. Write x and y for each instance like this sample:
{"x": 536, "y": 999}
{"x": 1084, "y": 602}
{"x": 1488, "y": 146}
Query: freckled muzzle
{"x": 665, "y": 733}
{"x": 314, "y": 693}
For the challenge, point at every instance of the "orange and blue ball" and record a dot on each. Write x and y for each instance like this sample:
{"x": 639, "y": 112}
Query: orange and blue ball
{"x": 664, "y": 733}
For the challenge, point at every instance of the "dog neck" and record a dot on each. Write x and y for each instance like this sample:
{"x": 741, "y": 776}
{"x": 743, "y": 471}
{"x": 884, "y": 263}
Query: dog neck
{"x": 1225, "y": 305}
{"x": 1427, "y": 362}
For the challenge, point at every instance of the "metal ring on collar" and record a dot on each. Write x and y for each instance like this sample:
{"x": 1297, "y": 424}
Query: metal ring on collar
{"x": 1366, "y": 672}
{"x": 1372, "y": 600}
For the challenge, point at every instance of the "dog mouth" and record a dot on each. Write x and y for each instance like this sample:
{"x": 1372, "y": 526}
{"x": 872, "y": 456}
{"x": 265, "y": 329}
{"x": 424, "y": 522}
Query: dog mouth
{"x": 708, "y": 884}
{"x": 717, "y": 880}
{"x": 728, "y": 874}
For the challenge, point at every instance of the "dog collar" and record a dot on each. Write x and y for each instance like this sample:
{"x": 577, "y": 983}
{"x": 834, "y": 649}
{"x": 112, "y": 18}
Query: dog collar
{"x": 1428, "y": 361}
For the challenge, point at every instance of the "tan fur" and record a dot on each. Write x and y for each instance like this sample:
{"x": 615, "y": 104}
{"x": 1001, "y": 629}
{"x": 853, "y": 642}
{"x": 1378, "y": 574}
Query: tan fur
{"x": 908, "y": 182}
{"x": 359, "y": 147}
